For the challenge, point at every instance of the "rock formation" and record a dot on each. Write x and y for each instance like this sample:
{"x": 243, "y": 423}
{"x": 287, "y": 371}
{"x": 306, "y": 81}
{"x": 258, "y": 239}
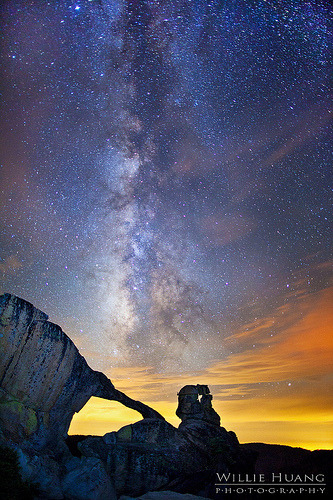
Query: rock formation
{"x": 153, "y": 455}
{"x": 44, "y": 381}
{"x": 43, "y": 378}
{"x": 195, "y": 402}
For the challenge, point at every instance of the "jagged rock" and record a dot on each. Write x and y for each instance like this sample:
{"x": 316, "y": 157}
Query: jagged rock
{"x": 87, "y": 479}
{"x": 152, "y": 454}
{"x": 44, "y": 380}
{"x": 195, "y": 402}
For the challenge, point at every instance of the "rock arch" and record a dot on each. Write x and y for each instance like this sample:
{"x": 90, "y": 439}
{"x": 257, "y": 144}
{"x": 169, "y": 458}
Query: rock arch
{"x": 44, "y": 379}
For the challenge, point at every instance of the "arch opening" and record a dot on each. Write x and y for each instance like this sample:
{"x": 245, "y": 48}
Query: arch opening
{"x": 100, "y": 416}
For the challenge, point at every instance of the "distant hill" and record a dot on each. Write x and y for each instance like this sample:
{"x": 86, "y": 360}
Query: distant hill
{"x": 274, "y": 458}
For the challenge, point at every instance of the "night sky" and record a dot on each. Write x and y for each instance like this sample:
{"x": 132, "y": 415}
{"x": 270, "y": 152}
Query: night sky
{"x": 166, "y": 199}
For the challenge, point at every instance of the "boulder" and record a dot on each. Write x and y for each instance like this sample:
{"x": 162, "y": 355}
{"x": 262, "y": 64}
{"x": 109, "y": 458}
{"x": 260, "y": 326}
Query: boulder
{"x": 152, "y": 454}
{"x": 86, "y": 479}
{"x": 195, "y": 402}
{"x": 43, "y": 471}
{"x": 139, "y": 457}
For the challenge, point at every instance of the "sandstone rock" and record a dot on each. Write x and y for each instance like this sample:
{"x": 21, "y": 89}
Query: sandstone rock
{"x": 44, "y": 380}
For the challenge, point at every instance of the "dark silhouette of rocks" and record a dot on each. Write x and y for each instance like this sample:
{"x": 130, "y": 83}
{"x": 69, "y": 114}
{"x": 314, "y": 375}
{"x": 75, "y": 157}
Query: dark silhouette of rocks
{"x": 152, "y": 454}
{"x": 44, "y": 381}
{"x": 195, "y": 403}
{"x": 291, "y": 462}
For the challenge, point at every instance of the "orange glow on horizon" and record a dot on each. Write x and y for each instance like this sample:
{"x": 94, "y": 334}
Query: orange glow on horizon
{"x": 279, "y": 393}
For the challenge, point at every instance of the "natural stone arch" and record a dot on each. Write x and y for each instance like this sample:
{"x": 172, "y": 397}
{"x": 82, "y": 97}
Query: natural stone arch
{"x": 89, "y": 421}
{"x": 44, "y": 378}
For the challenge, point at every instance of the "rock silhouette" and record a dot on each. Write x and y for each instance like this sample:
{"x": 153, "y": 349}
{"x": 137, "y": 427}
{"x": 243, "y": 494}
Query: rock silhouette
{"x": 195, "y": 402}
{"x": 44, "y": 379}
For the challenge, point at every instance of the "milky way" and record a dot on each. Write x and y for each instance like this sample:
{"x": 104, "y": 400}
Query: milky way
{"x": 165, "y": 170}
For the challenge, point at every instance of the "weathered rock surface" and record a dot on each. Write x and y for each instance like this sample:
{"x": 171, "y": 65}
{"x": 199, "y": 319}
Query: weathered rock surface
{"x": 43, "y": 378}
{"x": 152, "y": 455}
{"x": 139, "y": 457}
{"x": 195, "y": 403}
{"x": 44, "y": 381}
{"x": 67, "y": 477}
{"x": 87, "y": 479}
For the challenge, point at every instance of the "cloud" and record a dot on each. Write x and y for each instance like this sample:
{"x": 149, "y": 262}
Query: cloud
{"x": 303, "y": 349}
{"x": 311, "y": 123}
{"x": 278, "y": 389}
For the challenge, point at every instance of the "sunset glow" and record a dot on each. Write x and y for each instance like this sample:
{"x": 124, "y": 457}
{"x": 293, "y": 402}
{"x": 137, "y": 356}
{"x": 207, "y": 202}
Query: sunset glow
{"x": 280, "y": 394}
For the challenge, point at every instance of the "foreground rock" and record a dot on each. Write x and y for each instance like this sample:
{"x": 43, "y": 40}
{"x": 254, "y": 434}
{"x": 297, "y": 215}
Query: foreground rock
{"x": 44, "y": 381}
{"x": 153, "y": 455}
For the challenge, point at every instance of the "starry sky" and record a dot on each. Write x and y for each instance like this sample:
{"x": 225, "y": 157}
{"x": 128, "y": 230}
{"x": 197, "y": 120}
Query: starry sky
{"x": 166, "y": 199}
